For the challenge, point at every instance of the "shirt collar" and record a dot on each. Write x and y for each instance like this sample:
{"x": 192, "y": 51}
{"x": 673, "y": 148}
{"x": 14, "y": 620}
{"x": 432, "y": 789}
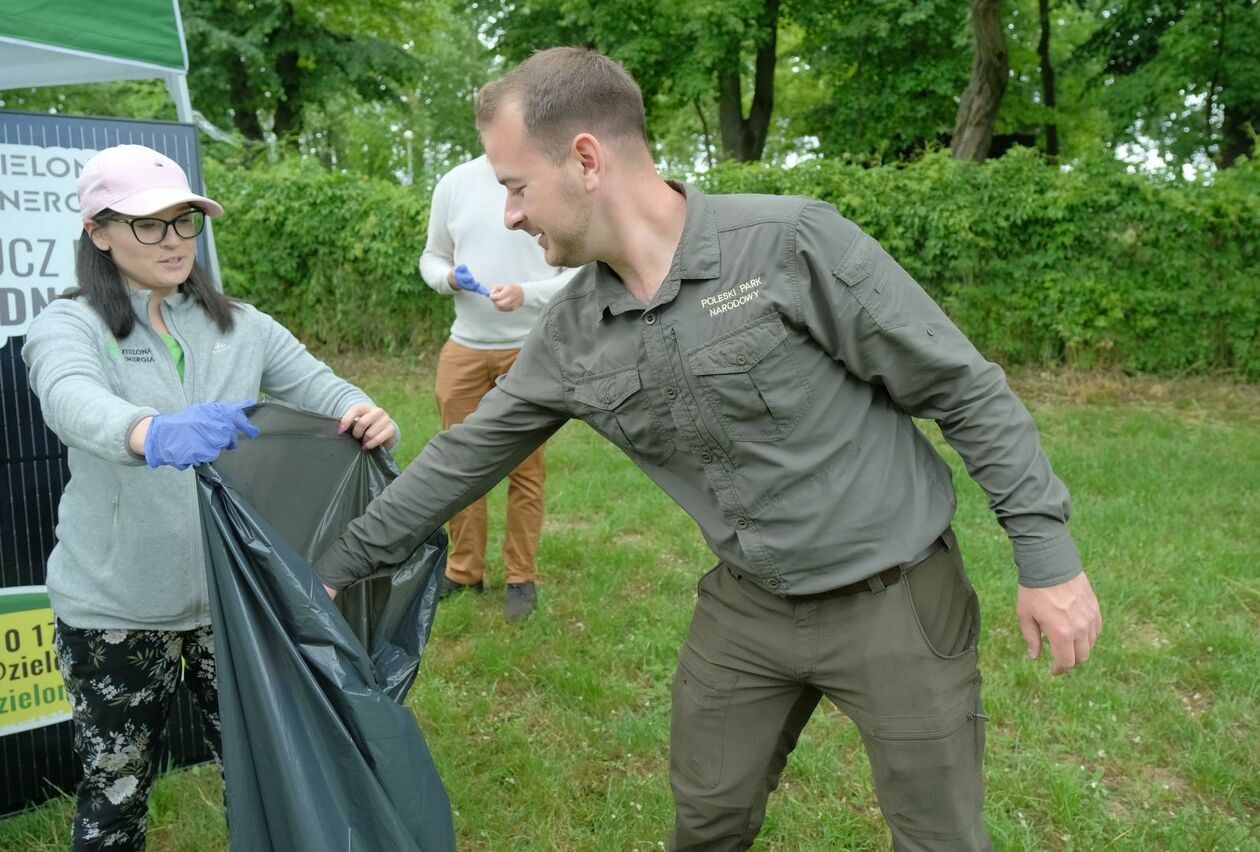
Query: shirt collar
{"x": 696, "y": 258}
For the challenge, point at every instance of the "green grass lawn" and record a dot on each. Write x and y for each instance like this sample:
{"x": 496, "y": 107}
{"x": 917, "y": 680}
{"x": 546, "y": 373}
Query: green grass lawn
{"x": 553, "y": 734}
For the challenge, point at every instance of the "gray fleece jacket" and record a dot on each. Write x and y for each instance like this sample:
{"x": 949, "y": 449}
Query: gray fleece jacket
{"x": 129, "y": 549}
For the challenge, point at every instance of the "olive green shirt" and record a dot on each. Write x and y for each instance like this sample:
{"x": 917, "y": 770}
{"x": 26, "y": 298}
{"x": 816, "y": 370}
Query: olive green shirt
{"x": 768, "y": 388}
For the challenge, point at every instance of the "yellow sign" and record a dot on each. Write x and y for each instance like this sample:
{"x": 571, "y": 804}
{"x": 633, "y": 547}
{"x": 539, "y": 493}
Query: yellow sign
{"x": 32, "y": 693}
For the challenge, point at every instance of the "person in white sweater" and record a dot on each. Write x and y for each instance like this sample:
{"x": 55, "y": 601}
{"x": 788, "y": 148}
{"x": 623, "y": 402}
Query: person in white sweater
{"x": 466, "y": 231}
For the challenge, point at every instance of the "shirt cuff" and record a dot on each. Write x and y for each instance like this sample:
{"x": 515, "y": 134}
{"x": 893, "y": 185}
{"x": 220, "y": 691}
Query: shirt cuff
{"x": 1048, "y": 563}
{"x": 333, "y": 570}
{"x": 136, "y": 459}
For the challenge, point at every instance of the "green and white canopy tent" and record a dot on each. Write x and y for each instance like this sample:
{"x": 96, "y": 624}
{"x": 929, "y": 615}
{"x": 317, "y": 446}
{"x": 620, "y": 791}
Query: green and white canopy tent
{"x": 59, "y": 42}
{"x": 63, "y": 42}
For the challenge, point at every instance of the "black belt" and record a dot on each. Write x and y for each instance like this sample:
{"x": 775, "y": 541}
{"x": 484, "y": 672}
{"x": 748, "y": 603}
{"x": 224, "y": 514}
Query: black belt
{"x": 875, "y": 583}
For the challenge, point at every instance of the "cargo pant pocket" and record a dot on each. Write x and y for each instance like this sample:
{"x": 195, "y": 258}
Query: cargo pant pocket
{"x": 943, "y": 603}
{"x": 701, "y": 698}
{"x": 928, "y": 772}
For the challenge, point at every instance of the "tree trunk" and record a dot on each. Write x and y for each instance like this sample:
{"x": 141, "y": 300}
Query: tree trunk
{"x": 1047, "y": 80}
{"x": 288, "y": 106}
{"x": 286, "y": 115}
{"x": 1235, "y": 139}
{"x": 731, "y": 113}
{"x": 708, "y": 141}
{"x": 977, "y": 114}
{"x": 1215, "y": 83}
{"x": 243, "y": 116}
{"x": 744, "y": 139}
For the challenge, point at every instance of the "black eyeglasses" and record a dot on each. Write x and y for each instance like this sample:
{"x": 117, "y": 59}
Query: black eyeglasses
{"x": 151, "y": 231}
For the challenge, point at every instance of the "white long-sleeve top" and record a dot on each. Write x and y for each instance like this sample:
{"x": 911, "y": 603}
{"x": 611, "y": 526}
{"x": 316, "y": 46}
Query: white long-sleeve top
{"x": 466, "y": 227}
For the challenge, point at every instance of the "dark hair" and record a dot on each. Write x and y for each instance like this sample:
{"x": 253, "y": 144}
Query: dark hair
{"x": 564, "y": 91}
{"x": 103, "y": 288}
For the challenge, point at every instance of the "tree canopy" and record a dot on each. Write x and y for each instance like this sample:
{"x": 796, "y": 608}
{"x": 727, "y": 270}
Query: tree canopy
{"x": 385, "y": 88}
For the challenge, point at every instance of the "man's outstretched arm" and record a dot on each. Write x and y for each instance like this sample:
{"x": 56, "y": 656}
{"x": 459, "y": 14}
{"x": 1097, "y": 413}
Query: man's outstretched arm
{"x": 457, "y": 467}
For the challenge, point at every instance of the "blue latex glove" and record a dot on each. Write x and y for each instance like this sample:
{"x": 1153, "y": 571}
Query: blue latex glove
{"x": 197, "y": 434}
{"x": 465, "y": 280}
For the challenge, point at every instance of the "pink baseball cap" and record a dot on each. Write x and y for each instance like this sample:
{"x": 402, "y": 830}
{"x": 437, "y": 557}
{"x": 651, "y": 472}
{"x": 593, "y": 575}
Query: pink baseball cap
{"x": 136, "y": 181}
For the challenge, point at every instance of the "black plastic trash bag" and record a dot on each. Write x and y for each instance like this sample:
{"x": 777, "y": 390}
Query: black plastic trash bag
{"x": 319, "y": 753}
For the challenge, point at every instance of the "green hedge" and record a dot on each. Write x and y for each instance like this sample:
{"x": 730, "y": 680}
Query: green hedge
{"x": 1092, "y": 267}
{"x": 331, "y": 256}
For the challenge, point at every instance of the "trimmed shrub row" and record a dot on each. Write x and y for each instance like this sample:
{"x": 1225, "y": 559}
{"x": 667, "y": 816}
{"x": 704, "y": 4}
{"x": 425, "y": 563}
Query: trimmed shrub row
{"x": 1090, "y": 267}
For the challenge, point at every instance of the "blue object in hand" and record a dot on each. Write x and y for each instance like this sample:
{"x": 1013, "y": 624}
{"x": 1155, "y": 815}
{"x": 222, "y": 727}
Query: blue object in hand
{"x": 197, "y": 434}
{"x": 465, "y": 280}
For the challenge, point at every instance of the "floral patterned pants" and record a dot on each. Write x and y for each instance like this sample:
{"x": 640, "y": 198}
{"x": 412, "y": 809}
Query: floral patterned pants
{"x": 121, "y": 684}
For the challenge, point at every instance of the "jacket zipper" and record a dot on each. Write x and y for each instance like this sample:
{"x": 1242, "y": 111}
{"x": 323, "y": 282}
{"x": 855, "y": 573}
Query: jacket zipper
{"x": 168, "y": 317}
{"x": 113, "y": 526}
{"x": 202, "y": 595}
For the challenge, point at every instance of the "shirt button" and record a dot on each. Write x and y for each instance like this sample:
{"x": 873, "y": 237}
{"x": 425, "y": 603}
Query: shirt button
{"x": 706, "y": 457}
{"x": 772, "y": 583}
{"x": 931, "y": 332}
{"x": 607, "y": 398}
{"x": 649, "y": 318}
{"x": 740, "y": 359}
{"x": 671, "y": 392}
{"x": 741, "y": 523}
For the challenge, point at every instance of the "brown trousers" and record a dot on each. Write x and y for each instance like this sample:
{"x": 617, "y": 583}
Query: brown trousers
{"x": 464, "y": 376}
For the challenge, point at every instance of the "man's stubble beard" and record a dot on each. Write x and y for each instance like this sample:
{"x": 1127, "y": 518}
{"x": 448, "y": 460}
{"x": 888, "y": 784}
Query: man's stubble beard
{"x": 568, "y": 247}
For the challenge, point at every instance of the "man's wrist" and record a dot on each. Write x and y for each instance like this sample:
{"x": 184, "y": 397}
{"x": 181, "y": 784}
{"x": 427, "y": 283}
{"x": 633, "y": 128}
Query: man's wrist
{"x": 1048, "y": 563}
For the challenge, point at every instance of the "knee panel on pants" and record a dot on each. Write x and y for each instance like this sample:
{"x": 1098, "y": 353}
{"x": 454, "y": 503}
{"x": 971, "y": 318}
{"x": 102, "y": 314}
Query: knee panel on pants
{"x": 928, "y": 771}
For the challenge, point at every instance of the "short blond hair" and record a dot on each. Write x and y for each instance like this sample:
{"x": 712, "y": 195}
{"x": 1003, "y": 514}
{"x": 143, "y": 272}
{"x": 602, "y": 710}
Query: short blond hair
{"x": 564, "y": 91}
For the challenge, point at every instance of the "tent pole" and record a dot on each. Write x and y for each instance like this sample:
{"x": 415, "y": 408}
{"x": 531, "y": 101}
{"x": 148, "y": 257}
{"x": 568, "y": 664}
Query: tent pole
{"x": 178, "y": 86}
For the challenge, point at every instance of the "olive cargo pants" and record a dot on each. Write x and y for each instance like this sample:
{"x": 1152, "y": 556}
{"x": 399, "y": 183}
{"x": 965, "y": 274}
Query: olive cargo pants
{"x": 900, "y": 661}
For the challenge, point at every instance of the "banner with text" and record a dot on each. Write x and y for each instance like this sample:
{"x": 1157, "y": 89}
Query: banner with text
{"x": 39, "y": 224}
{"x": 32, "y": 693}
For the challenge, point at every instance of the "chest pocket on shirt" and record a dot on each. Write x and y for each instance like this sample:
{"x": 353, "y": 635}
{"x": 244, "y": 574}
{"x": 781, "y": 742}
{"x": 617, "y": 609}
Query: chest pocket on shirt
{"x": 876, "y": 281}
{"x": 751, "y": 380}
{"x": 618, "y": 408}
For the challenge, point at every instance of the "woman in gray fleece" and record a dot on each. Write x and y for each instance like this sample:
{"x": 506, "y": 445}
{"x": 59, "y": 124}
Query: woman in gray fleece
{"x": 140, "y": 372}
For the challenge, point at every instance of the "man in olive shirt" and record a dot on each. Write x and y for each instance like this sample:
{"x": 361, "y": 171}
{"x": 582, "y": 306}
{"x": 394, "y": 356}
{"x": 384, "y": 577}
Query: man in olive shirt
{"x": 760, "y": 359}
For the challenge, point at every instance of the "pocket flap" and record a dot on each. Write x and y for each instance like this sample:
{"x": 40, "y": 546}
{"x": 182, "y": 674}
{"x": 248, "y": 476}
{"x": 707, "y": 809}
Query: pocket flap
{"x": 740, "y": 350}
{"x": 857, "y": 263}
{"x": 608, "y": 391}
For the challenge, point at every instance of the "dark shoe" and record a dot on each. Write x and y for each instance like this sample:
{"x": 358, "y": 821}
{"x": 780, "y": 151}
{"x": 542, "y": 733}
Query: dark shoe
{"x": 447, "y": 586}
{"x": 522, "y": 599}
